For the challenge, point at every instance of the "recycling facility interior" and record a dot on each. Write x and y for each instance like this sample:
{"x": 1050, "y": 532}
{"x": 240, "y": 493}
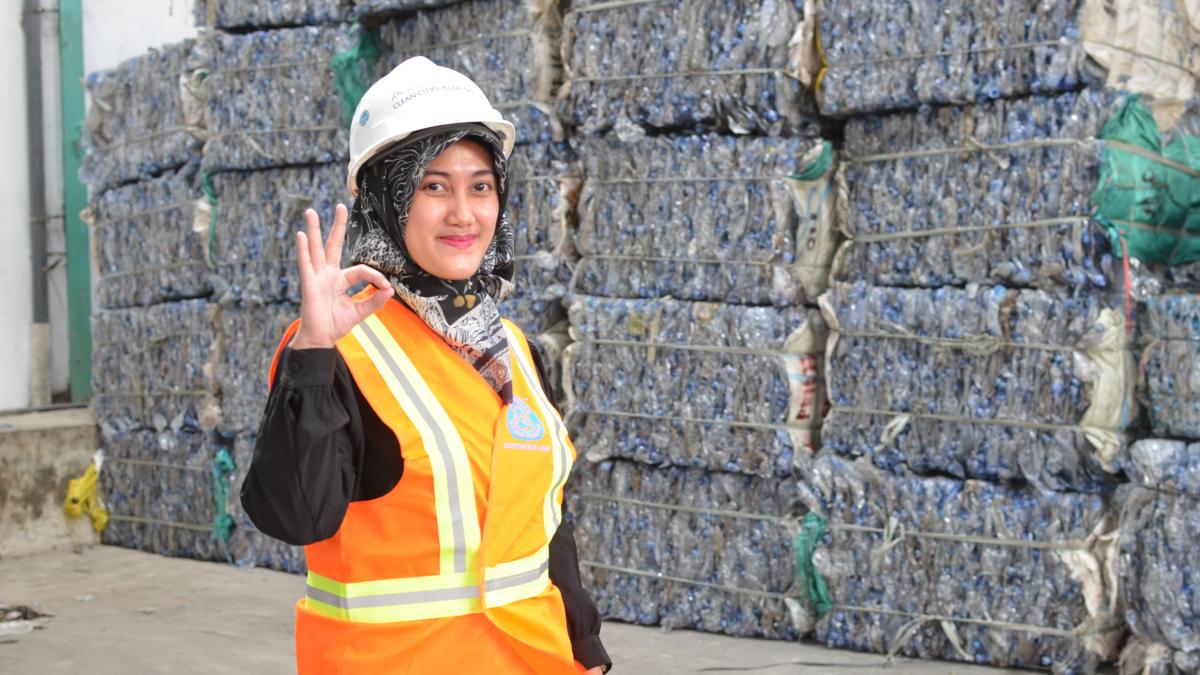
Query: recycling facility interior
{"x": 905, "y": 295}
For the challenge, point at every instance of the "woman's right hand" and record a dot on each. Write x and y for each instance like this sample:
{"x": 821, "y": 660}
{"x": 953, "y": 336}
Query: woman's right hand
{"x": 326, "y": 312}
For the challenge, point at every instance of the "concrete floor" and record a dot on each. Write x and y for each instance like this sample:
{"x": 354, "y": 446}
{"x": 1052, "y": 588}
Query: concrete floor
{"x": 119, "y": 611}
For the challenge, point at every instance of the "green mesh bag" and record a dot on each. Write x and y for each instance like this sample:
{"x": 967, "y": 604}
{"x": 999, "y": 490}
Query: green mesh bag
{"x": 1148, "y": 197}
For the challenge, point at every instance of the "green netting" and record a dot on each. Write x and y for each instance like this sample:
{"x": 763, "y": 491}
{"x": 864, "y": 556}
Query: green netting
{"x": 1148, "y": 197}
{"x": 807, "y": 576}
{"x": 818, "y": 166}
{"x": 222, "y": 468}
{"x": 354, "y": 72}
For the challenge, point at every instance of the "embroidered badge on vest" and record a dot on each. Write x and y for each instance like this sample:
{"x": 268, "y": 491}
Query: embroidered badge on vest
{"x": 524, "y": 425}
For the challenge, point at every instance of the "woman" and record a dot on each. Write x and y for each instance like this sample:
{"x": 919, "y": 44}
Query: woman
{"x": 408, "y": 441}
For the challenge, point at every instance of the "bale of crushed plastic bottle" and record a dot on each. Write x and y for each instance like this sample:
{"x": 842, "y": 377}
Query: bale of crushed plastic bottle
{"x": 993, "y": 193}
{"x": 686, "y": 548}
{"x": 258, "y": 14}
{"x": 257, "y": 216}
{"x": 145, "y": 116}
{"x": 158, "y": 489}
{"x": 510, "y": 48}
{"x": 1171, "y": 358}
{"x": 543, "y": 188}
{"x": 251, "y": 337}
{"x": 369, "y": 10}
{"x": 715, "y": 218}
{"x": 932, "y": 567}
{"x": 275, "y": 97}
{"x": 991, "y": 383}
{"x": 881, "y": 56}
{"x": 726, "y": 66}
{"x": 151, "y": 240}
{"x": 710, "y": 385}
{"x": 1160, "y": 524}
{"x": 154, "y": 367}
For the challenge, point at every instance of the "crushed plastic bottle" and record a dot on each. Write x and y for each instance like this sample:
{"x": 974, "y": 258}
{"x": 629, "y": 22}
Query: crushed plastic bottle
{"x": 739, "y": 569}
{"x": 709, "y": 65}
{"x": 152, "y": 367}
{"x": 258, "y": 14}
{"x": 1160, "y": 524}
{"x": 993, "y": 193}
{"x": 982, "y": 382}
{"x": 703, "y": 218}
{"x": 933, "y": 567}
{"x": 272, "y": 98}
{"x": 718, "y": 386}
{"x": 145, "y": 117}
{"x": 900, "y": 55}
{"x": 510, "y": 48}
{"x": 151, "y": 240}
{"x": 1171, "y": 358}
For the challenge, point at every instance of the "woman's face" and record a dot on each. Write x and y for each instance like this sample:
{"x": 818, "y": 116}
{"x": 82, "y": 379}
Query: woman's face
{"x": 453, "y": 214}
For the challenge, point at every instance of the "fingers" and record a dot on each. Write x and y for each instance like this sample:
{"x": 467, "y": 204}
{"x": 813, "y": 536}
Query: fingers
{"x": 373, "y": 297}
{"x": 337, "y": 235}
{"x": 374, "y": 302}
{"x": 303, "y": 259}
{"x": 315, "y": 250}
{"x": 368, "y": 274}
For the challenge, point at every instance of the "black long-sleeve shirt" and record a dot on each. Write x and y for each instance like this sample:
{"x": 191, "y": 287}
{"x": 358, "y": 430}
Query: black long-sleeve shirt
{"x": 321, "y": 446}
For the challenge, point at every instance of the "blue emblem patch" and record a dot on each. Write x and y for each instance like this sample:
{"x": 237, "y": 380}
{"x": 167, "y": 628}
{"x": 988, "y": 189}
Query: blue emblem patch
{"x": 523, "y": 423}
{"x": 362, "y": 119}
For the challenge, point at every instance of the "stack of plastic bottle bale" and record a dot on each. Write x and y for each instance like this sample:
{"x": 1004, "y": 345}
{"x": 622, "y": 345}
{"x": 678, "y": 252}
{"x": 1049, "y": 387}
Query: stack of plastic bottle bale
{"x": 980, "y": 361}
{"x": 511, "y": 49}
{"x": 283, "y": 80}
{"x": 154, "y": 330}
{"x": 1160, "y": 509}
{"x": 705, "y": 233}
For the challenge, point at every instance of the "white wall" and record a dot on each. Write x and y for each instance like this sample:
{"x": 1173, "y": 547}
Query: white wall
{"x": 113, "y": 30}
{"x": 16, "y": 288}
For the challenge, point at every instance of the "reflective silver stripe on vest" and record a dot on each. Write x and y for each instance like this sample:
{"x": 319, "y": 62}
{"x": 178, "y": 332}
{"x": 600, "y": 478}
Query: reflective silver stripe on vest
{"x": 516, "y": 579}
{"x": 443, "y": 449}
{"x": 386, "y": 599}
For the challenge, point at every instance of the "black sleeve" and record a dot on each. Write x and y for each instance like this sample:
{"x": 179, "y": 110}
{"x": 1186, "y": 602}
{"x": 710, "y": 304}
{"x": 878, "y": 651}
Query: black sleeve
{"x": 539, "y": 364}
{"x": 583, "y": 620}
{"x": 302, "y": 476}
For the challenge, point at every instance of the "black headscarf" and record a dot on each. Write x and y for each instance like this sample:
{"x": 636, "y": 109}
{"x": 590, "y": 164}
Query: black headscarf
{"x": 464, "y": 313}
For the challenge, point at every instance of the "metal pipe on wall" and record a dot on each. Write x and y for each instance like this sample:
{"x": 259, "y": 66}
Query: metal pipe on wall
{"x": 39, "y": 344}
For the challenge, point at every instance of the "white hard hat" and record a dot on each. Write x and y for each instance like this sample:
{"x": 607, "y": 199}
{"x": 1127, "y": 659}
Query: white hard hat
{"x": 418, "y": 94}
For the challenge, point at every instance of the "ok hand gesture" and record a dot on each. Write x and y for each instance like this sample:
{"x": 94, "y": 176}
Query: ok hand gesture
{"x": 326, "y": 312}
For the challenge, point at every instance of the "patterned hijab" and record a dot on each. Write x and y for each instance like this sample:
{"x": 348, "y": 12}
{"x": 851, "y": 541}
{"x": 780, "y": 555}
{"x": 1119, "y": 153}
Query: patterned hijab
{"x": 464, "y": 313}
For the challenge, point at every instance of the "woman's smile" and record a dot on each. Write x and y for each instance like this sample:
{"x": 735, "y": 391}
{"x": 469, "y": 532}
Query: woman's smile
{"x": 459, "y": 241}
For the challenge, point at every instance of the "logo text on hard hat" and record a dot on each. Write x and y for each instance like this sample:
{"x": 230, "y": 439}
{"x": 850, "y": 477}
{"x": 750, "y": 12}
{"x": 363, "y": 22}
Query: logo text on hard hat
{"x": 362, "y": 119}
{"x": 399, "y": 98}
{"x": 523, "y": 423}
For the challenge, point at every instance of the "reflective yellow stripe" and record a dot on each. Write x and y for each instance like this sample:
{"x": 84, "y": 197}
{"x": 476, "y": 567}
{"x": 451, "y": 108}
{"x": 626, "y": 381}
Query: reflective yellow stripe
{"x": 454, "y": 493}
{"x": 517, "y": 579}
{"x": 517, "y": 567}
{"x": 392, "y": 613}
{"x": 430, "y": 597}
{"x": 385, "y": 600}
{"x": 393, "y": 586}
{"x": 520, "y": 588}
{"x": 551, "y": 507}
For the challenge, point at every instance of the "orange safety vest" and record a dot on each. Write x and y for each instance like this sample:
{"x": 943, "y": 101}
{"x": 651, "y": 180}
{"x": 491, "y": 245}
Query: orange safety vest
{"x": 449, "y": 571}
